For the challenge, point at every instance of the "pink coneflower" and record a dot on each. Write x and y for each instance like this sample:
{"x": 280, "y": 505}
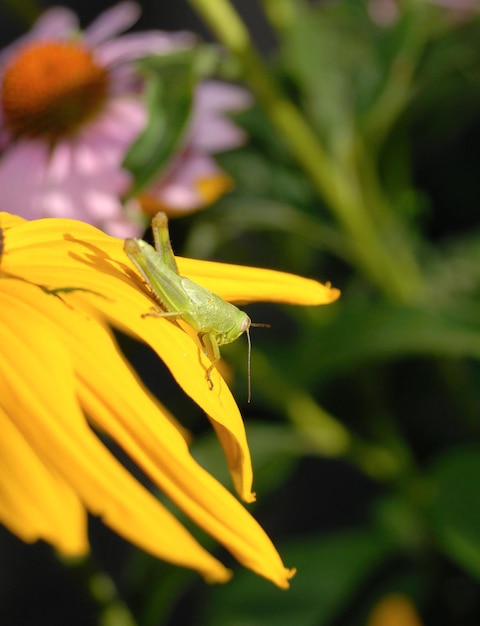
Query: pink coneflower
{"x": 70, "y": 107}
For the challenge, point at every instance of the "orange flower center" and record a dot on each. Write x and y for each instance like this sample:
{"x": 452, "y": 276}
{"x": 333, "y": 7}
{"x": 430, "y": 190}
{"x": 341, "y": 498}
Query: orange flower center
{"x": 51, "y": 89}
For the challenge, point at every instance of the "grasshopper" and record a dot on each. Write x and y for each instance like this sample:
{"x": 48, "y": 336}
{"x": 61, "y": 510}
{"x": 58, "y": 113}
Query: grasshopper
{"x": 217, "y": 322}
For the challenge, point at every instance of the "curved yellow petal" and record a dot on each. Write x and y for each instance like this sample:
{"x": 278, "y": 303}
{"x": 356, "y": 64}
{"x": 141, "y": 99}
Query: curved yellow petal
{"x": 238, "y": 283}
{"x": 35, "y": 501}
{"x": 7, "y": 220}
{"x": 133, "y": 420}
{"x": 47, "y": 414}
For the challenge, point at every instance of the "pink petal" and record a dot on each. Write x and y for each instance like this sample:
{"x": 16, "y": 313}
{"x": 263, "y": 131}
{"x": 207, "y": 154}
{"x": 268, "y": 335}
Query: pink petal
{"x": 22, "y": 178}
{"x": 115, "y": 20}
{"x": 124, "y": 80}
{"x": 101, "y": 206}
{"x": 212, "y": 130}
{"x": 137, "y": 45}
{"x": 215, "y": 134}
{"x": 82, "y": 183}
{"x": 179, "y": 189}
{"x": 214, "y": 96}
{"x": 116, "y": 129}
{"x": 56, "y": 202}
{"x": 124, "y": 229}
{"x": 57, "y": 22}
{"x": 85, "y": 179}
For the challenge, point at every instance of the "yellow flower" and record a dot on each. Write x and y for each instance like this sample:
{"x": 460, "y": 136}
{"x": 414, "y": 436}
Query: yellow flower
{"x": 63, "y": 284}
{"x": 394, "y": 609}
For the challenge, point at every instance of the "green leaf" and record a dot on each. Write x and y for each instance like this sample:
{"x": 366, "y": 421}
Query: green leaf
{"x": 455, "y": 511}
{"x": 330, "y": 569}
{"x": 169, "y": 92}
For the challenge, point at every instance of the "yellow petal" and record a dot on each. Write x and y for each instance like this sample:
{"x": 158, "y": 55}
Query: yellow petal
{"x": 47, "y": 414}
{"x": 159, "y": 449}
{"x": 238, "y": 283}
{"x": 35, "y": 501}
{"x": 7, "y": 220}
{"x": 211, "y": 188}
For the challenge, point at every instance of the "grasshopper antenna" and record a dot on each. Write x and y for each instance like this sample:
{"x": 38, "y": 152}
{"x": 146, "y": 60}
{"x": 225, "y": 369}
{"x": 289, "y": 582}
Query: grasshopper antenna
{"x": 249, "y": 358}
{"x": 249, "y": 367}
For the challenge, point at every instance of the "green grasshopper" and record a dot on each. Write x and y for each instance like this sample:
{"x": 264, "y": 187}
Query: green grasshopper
{"x": 217, "y": 322}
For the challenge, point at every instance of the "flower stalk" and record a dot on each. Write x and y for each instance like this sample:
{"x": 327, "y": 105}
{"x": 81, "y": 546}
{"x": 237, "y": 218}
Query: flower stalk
{"x": 381, "y": 251}
{"x": 326, "y": 436}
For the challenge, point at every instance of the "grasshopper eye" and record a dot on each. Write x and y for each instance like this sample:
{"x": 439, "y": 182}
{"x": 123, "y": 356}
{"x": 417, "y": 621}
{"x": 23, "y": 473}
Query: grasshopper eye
{"x": 247, "y": 322}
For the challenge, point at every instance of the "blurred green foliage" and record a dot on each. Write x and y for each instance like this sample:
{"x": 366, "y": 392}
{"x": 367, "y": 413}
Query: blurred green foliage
{"x": 365, "y": 420}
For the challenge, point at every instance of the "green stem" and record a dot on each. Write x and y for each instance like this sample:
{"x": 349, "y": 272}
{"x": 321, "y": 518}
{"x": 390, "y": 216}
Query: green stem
{"x": 102, "y": 591}
{"x": 330, "y": 438}
{"x": 325, "y": 435}
{"x": 390, "y": 265}
{"x": 281, "y": 13}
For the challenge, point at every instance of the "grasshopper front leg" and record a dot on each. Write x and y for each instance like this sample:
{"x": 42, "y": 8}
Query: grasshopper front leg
{"x": 212, "y": 350}
{"x": 161, "y": 238}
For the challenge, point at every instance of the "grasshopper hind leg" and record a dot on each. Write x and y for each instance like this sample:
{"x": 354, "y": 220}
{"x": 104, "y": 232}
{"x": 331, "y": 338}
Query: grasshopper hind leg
{"x": 157, "y": 311}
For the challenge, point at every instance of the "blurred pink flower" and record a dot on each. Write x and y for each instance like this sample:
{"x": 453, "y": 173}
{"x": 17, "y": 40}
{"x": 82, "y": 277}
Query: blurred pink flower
{"x": 71, "y": 106}
{"x": 384, "y": 13}
{"x": 193, "y": 179}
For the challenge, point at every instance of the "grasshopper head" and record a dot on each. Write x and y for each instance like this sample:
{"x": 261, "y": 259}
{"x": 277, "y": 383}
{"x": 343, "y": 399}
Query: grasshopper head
{"x": 233, "y": 324}
{"x": 242, "y": 324}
